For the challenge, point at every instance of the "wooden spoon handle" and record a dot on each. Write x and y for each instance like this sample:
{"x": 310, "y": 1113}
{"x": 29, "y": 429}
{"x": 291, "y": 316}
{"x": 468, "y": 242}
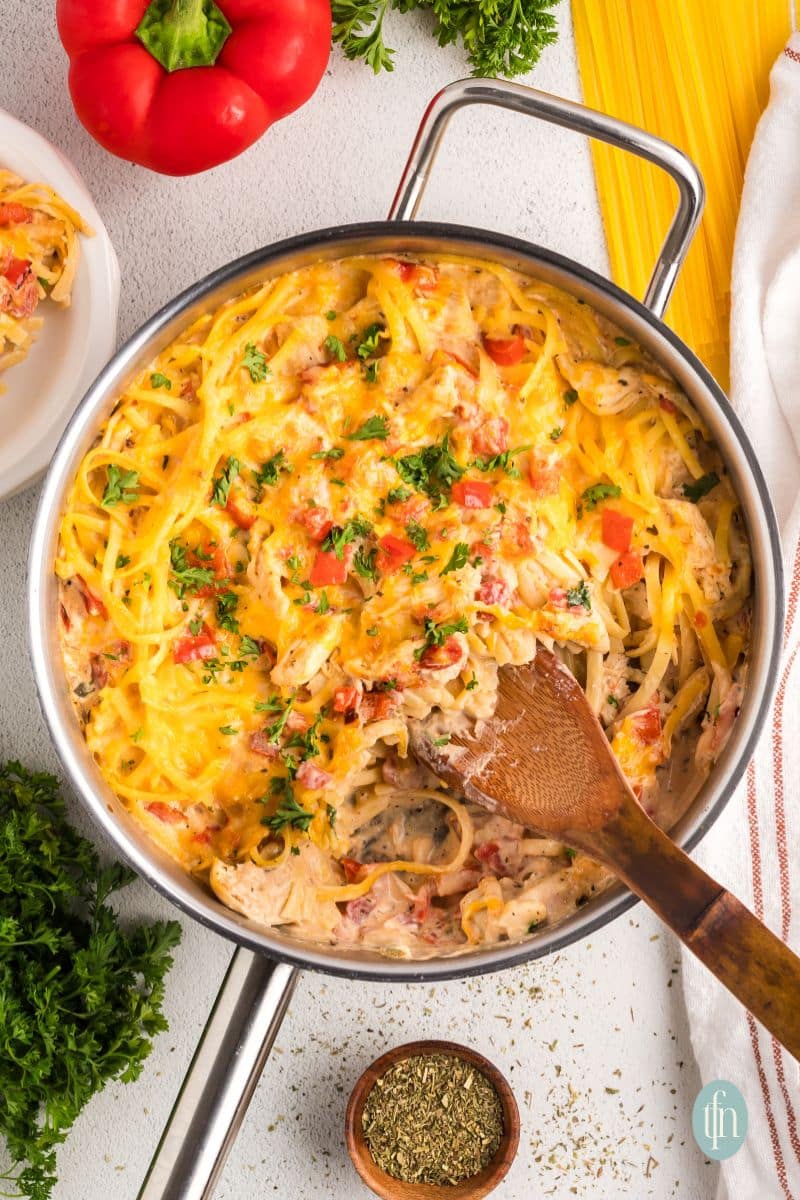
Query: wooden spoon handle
{"x": 755, "y": 965}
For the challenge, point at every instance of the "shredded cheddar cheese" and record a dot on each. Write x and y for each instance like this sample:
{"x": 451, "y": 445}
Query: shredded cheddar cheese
{"x": 339, "y": 504}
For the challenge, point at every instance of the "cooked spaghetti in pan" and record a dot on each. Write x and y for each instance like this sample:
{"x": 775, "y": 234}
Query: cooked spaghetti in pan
{"x": 338, "y": 505}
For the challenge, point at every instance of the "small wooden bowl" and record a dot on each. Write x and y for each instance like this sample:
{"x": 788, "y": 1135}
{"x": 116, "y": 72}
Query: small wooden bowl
{"x": 390, "y": 1188}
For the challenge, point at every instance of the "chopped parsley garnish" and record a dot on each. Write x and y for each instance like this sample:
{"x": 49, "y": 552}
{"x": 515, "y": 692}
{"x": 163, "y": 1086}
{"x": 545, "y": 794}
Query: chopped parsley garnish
{"x": 335, "y": 347}
{"x": 332, "y": 814}
{"x": 612, "y": 700}
{"x": 473, "y": 683}
{"x": 122, "y": 561}
{"x": 457, "y": 559}
{"x": 372, "y": 631}
{"x": 184, "y": 579}
{"x": 122, "y": 487}
{"x": 227, "y": 604}
{"x": 621, "y": 341}
{"x": 333, "y": 454}
{"x": 598, "y": 492}
{"x": 417, "y": 535}
{"x": 331, "y": 314}
{"x": 269, "y": 472}
{"x": 157, "y": 380}
{"x": 307, "y": 743}
{"x": 369, "y": 341}
{"x": 228, "y": 730}
{"x": 502, "y": 462}
{"x": 364, "y": 563}
{"x": 373, "y": 429}
{"x": 370, "y": 371}
{"x": 272, "y": 705}
{"x": 289, "y": 813}
{"x": 275, "y": 730}
{"x": 444, "y": 740}
{"x": 579, "y": 596}
{"x": 436, "y": 635}
{"x": 432, "y": 470}
{"x": 195, "y": 626}
{"x": 323, "y": 604}
{"x": 249, "y": 647}
{"x": 255, "y": 363}
{"x": 397, "y": 495}
{"x": 342, "y": 535}
{"x": 570, "y": 397}
{"x": 556, "y": 433}
{"x": 222, "y": 484}
{"x": 701, "y": 487}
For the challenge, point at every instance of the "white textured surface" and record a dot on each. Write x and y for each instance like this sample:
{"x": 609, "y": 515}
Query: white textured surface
{"x": 593, "y": 1040}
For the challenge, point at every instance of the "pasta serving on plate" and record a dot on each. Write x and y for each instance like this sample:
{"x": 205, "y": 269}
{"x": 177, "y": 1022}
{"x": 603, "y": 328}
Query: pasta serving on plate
{"x": 338, "y": 505}
{"x": 39, "y": 252}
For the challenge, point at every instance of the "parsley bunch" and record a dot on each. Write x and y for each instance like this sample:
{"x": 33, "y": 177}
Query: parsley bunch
{"x": 80, "y": 999}
{"x": 501, "y": 37}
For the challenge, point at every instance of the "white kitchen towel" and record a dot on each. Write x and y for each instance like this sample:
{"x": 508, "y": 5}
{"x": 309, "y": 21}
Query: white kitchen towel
{"x": 754, "y": 849}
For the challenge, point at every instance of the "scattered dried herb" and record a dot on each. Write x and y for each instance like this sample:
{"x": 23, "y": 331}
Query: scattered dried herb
{"x": 432, "y": 1118}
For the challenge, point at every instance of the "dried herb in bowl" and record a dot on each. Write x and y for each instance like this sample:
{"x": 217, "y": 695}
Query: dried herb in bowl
{"x": 432, "y": 1118}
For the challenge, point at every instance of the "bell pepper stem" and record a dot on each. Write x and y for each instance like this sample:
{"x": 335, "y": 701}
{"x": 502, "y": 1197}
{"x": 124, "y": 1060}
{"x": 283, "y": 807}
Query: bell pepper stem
{"x": 183, "y": 33}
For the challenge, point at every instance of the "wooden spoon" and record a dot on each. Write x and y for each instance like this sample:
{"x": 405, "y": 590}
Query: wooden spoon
{"x": 544, "y": 762}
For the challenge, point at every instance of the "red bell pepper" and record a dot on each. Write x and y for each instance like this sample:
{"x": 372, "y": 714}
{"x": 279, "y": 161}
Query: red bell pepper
{"x": 472, "y": 493}
{"x": 183, "y": 85}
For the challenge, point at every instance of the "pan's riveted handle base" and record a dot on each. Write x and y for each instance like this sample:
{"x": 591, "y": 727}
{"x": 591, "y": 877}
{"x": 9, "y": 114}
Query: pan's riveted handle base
{"x": 569, "y": 115}
{"x": 220, "y": 1082}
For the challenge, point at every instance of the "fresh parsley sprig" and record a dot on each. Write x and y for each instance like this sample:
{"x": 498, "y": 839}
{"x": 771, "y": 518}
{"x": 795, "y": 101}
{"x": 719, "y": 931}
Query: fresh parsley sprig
{"x": 501, "y": 37}
{"x": 81, "y": 996}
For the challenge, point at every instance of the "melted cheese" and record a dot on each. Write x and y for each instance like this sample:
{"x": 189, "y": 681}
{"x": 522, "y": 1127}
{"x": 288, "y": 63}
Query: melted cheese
{"x": 335, "y": 505}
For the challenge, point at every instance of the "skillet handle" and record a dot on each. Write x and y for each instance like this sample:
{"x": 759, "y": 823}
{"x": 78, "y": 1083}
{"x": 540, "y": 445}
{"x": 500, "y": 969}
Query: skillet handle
{"x": 569, "y": 115}
{"x": 220, "y": 1082}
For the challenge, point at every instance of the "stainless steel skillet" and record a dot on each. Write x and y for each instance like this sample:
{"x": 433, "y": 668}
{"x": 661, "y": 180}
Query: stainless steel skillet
{"x": 262, "y": 974}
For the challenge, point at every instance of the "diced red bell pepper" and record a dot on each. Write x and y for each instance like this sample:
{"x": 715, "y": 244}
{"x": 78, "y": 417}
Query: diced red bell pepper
{"x": 472, "y": 493}
{"x": 165, "y": 812}
{"x": 241, "y": 508}
{"x": 16, "y": 271}
{"x": 647, "y": 725}
{"x": 393, "y": 552}
{"x": 327, "y": 568}
{"x": 422, "y": 277}
{"x": 346, "y": 699}
{"x": 195, "y": 646}
{"x": 667, "y": 405}
{"x": 627, "y": 570}
{"x": 316, "y": 521}
{"x": 700, "y": 619}
{"x": 505, "y": 351}
{"x": 617, "y": 529}
{"x": 12, "y": 213}
{"x": 352, "y": 868}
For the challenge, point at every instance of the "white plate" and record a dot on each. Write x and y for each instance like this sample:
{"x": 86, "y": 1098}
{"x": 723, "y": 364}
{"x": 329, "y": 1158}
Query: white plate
{"x": 73, "y": 343}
